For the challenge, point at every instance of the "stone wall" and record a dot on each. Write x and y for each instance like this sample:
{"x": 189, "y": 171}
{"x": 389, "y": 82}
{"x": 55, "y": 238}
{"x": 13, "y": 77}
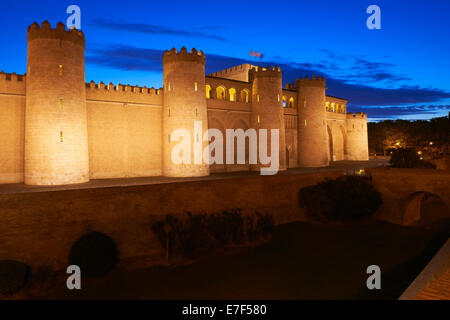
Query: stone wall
{"x": 39, "y": 228}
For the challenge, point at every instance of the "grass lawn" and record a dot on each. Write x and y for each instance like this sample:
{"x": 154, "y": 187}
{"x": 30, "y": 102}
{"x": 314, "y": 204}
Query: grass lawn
{"x": 302, "y": 261}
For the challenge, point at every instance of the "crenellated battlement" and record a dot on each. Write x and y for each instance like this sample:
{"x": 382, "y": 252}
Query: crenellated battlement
{"x": 240, "y": 68}
{"x": 12, "y": 76}
{"x": 183, "y": 55}
{"x": 45, "y": 31}
{"x": 268, "y": 71}
{"x": 356, "y": 115}
{"x": 12, "y": 83}
{"x": 313, "y": 82}
{"x": 290, "y": 86}
{"x": 121, "y": 88}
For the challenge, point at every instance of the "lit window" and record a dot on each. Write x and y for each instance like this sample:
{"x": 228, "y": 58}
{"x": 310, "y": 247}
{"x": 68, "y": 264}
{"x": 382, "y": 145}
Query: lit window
{"x": 284, "y": 102}
{"x": 61, "y": 136}
{"x": 259, "y": 119}
{"x": 305, "y": 123}
{"x": 220, "y": 92}
{"x": 60, "y": 70}
{"x": 257, "y": 97}
{"x": 244, "y": 96}
{"x": 169, "y": 87}
{"x": 208, "y": 91}
{"x": 195, "y": 85}
{"x": 278, "y": 98}
{"x": 232, "y": 93}
{"x": 291, "y": 102}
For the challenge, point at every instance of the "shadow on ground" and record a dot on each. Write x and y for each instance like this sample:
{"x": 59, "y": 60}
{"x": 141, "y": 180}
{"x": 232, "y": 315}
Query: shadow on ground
{"x": 302, "y": 261}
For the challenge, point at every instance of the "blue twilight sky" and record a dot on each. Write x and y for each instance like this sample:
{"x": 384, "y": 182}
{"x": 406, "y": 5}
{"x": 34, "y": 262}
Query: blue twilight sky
{"x": 401, "y": 71}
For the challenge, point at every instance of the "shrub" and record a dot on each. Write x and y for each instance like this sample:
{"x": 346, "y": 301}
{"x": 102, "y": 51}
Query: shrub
{"x": 13, "y": 276}
{"x": 408, "y": 158}
{"x": 167, "y": 231}
{"x": 207, "y": 232}
{"x": 95, "y": 253}
{"x": 346, "y": 198}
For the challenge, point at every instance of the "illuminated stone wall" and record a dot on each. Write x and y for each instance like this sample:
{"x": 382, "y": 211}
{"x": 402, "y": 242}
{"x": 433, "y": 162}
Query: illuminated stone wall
{"x": 313, "y": 149}
{"x": 56, "y": 145}
{"x": 12, "y": 127}
{"x": 357, "y": 147}
{"x": 124, "y": 131}
{"x": 184, "y": 104}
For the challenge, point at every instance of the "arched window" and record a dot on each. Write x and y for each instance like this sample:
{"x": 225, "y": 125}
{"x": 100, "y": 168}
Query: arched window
{"x": 284, "y": 102}
{"x": 291, "y": 102}
{"x": 244, "y": 96}
{"x": 327, "y": 106}
{"x": 220, "y": 92}
{"x": 332, "y": 107}
{"x": 208, "y": 91}
{"x": 232, "y": 93}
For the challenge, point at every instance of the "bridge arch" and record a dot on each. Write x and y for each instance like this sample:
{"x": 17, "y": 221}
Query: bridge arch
{"x": 424, "y": 206}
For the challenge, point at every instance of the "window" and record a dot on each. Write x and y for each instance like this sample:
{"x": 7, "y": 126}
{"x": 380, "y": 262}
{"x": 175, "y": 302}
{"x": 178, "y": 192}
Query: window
{"x": 208, "y": 91}
{"x": 244, "y": 96}
{"x": 305, "y": 123}
{"x": 232, "y": 93}
{"x": 220, "y": 92}
{"x": 284, "y": 102}
{"x": 257, "y": 97}
{"x": 168, "y": 87}
{"x": 196, "y": 86}
{"x": 61, "y": 136}
{"x": 60, "y": 69}
{"x": 291, "y": 102}
{"x": 304, "y": 104}
{"x": 259, "y": 119}
{"x": 278, "y": 98}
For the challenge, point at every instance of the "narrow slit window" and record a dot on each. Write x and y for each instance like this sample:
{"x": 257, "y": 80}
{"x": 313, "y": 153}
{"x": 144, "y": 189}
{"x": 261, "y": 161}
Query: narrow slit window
{"x": 196, "y": 86}
{"x": 259, "y": 119}
{"x": 61, "y": 136}
{"x": 305, "y": 123}
{"x": 60, "y": 69}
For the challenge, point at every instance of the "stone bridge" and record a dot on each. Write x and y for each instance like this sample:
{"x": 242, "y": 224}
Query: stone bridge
{"x": 404, "y": 190}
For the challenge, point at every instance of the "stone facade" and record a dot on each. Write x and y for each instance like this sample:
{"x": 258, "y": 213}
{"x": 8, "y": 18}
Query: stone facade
{"x": 57, "y": 129}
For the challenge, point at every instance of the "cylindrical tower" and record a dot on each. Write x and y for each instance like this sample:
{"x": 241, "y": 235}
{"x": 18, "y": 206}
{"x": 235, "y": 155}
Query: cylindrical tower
{"x": 357, "y": 146}
{"x": 312, "y": 124}
{"x": 184, "y": 109}
{"x": 267, "y": 111}
{"x": 56, "y": 143}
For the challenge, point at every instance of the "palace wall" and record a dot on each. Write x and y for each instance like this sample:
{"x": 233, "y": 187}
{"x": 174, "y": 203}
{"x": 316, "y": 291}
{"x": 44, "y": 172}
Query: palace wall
{"x": 124, "y": 131}
{"x": 12, "y": 127}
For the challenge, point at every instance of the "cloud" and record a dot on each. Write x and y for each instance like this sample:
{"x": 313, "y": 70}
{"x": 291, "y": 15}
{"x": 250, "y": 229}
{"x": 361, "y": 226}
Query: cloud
{"x": 400, "y": 111}
{"x": 126, "y": 58}
{"x": 360, "y": 96}
{"x": 153, "y": 29}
